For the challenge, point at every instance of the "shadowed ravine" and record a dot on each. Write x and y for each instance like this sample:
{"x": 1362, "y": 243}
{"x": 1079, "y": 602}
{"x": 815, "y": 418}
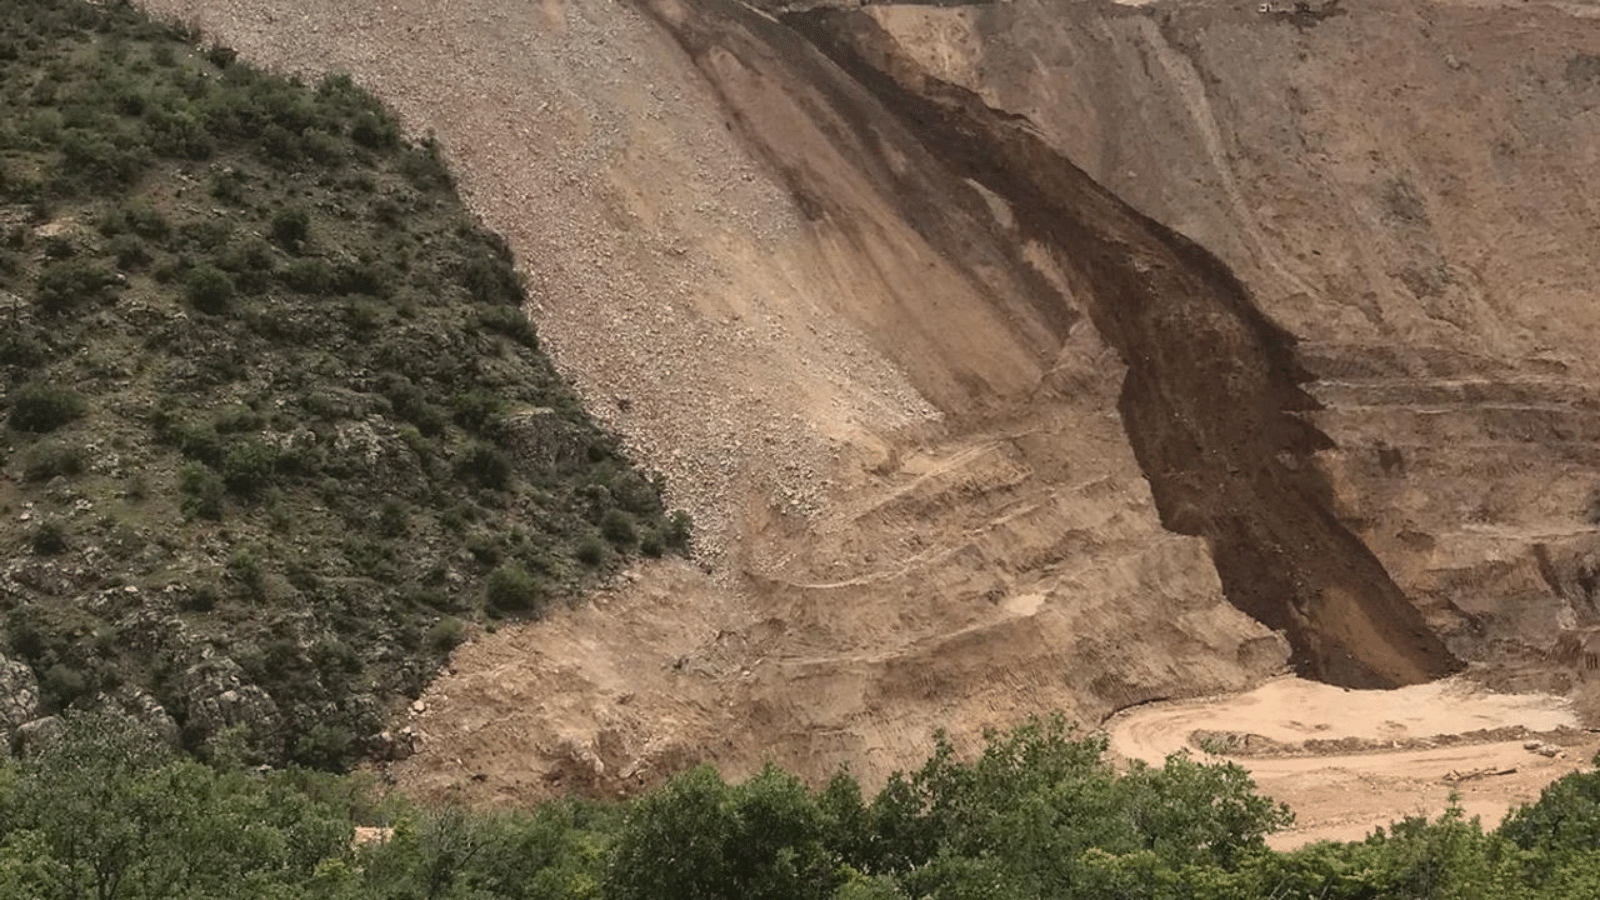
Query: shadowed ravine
{"x": 1212, "y": 394}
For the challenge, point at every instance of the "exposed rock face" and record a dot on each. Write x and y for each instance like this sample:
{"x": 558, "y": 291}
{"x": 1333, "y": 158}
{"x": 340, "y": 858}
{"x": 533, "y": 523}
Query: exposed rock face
{"x": 19, "y": 696}
{"x": 220, "y": 697}
{"x": 1019, "y": 357}
{"x": 33, "y": 737}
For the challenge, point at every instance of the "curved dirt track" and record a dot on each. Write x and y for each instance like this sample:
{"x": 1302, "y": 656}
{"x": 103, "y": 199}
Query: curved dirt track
{"x": 1374, "y": 756}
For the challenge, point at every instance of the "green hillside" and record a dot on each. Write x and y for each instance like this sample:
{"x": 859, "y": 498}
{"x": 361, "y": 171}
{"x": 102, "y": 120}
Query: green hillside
{"x": 1041, "y": 814}
{"x": 277, "y": 431}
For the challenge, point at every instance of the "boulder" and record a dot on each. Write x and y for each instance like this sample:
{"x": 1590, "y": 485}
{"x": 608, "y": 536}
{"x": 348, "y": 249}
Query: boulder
{"x": 19, "y": 695}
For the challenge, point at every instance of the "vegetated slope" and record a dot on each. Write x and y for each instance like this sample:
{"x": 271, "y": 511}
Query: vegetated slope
{"x": 1040, "y": 813}
{"x": 966, "y": 535}
{"x": 277, "y": 428}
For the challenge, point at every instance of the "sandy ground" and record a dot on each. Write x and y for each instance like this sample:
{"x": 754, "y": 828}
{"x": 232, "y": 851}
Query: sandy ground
{"x": 1440, "y": 737}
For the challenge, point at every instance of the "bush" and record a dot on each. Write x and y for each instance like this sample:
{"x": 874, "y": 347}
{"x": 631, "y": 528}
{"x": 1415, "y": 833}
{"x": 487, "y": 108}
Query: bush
{"x": 209, "y": 289}
{"x": 679, "y": 531}
{"x": 291, "y": 227}
{"x": 373, "y": 131}
{"x": 130, "y": 252}
{"x": 308, "y": 276}
{"x": 228, "y": 186}
{"x": 248, "y": 466}
{"x": 490, "y": 280}
{"x": 446, "y": 634}
{"x": 394, "y": 519}
{"x": 49, "y": 459}
{"x": 200, "y": 598}
{"x": 511, "y": 589}
{"x": 325, "y": 747}
{"x": 138, "y": 217}
{"x": 39, "y": 408}
{"x": 22, "y": 349}
{"x": 485, "y": 466}
{"x": 512, "y": 322}
{"x": 68, "y": 284}
{"x": 591, "y": 551}
{"x": 48, "y": 538}
{"x": 651, "y": 544}
{"x": 618, "y": 528}
{"x": 203, "y": 491}
{"x": 61, "y": 685}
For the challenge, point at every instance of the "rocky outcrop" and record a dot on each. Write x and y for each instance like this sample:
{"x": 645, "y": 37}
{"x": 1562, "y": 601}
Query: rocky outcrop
{"x": 219, "y": 696}
{"x": 19, "y": 695}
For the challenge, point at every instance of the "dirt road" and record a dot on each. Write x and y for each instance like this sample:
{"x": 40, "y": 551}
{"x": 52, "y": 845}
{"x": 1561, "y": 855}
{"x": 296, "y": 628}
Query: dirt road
{"x": 1350, "y": 761}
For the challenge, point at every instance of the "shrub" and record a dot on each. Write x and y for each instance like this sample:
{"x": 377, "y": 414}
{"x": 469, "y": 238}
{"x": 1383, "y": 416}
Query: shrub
{"x": 20, "y": 348}
{"x": 491, "y": 280}
{"x": 138, "y": 217}
{"x": 248, "y": 465}
{"x": 476, "y": 411}
{"x": 67, "y": 284}
{"x": 394, "y": 520}
{"x": 200, "y": 598}
{"x": 49, "y": 459}
{"x": 679, "y": 531}
{"x": 485, "y": 466}
{"x": 39, "y": 408}
{"x": 245, "y": 569}
{"x": 221, "y": 57}
{"x": 618, "y": 528}
{"x": 446, "y": 634}
{"x": 291, "y": 227}
{"x": 651, "y": 544}
{"x": 591, "y": 551}
{"x": 484, "y": 547}
{"x": 635, "y": 493}
{"x": 326, "y": 747}
{"x": 373, "y": 131}
{"x": 228, "y": 185}
{"x": 423, "y": 167}
{"x": 48, "y": 538}
{"x": 130, "y": 252}
{"x": 512, "y": 322}
{"x": 203, "y": 491}
{"x": 511, "y": 589}
{"x": 251, "y": 255}
{"x": 308, "y": 276}
{"x": 209, "y": 289}
{"x": 61, "y": 685}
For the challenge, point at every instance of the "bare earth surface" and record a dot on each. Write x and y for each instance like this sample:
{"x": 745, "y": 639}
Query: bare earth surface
{"x": 893, "y": 395}
{"x": 1373, "y": 756}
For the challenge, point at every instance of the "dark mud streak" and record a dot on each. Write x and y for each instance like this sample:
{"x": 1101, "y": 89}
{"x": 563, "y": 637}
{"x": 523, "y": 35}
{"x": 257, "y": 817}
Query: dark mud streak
{"x": 1211, "y": 396}
{"x": 1212, "y": 389}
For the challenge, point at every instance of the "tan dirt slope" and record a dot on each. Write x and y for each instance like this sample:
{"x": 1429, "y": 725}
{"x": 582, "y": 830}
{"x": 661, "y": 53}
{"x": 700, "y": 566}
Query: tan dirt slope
{"x": 891, "y": 387}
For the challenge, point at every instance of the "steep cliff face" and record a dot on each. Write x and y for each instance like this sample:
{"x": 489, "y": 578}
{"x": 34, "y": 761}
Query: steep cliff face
{"x": 1045, "y": 355}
